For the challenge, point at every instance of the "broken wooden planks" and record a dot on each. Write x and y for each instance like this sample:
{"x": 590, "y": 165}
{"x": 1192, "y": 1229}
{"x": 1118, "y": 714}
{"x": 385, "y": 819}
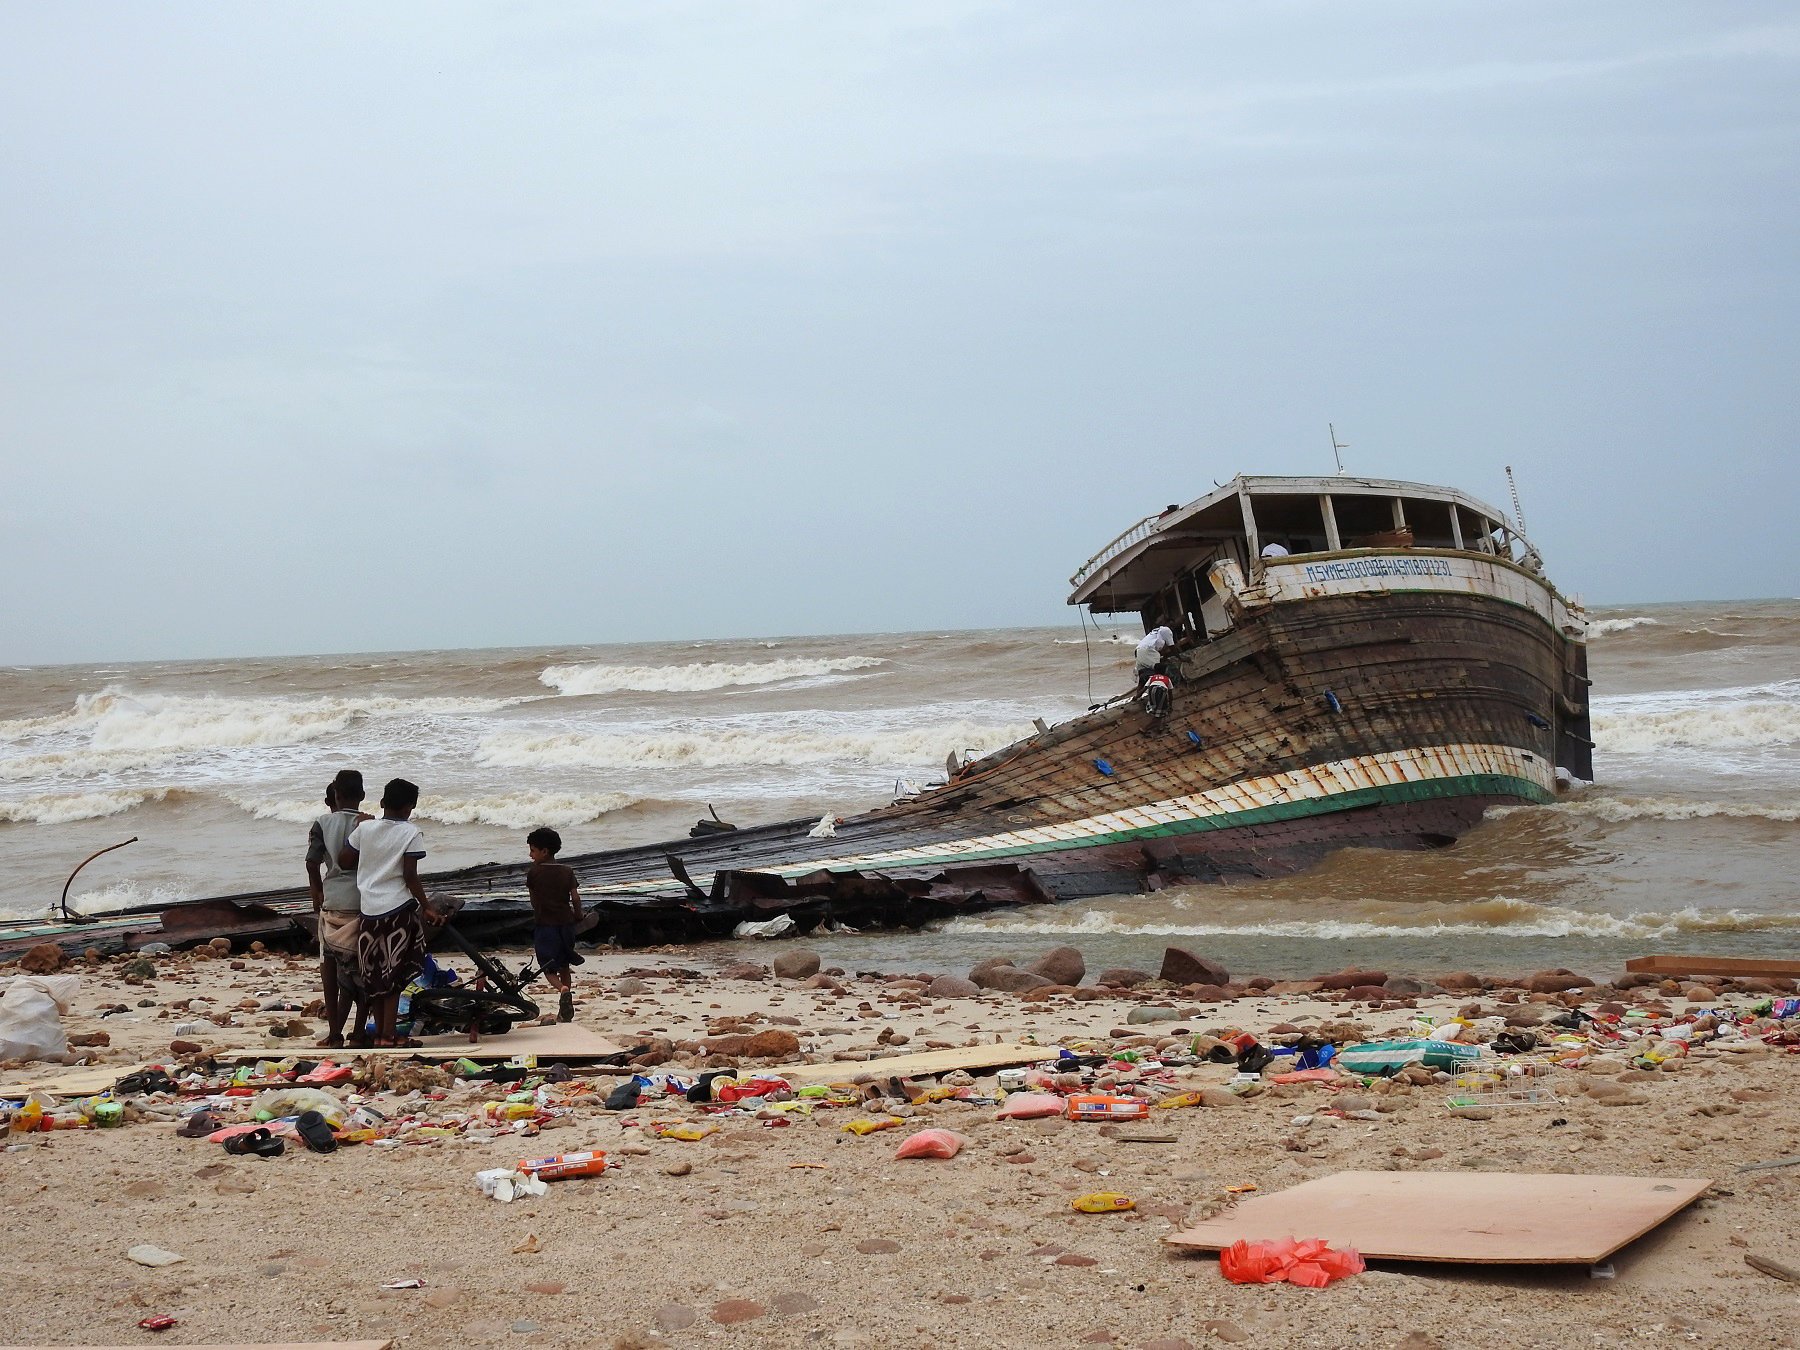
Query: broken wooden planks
{"x": 974, "y": 1058}
{"x": 1502, "y": 1218}
{"x": 1759, "y": 968}
{"x": 562, "y": 1040}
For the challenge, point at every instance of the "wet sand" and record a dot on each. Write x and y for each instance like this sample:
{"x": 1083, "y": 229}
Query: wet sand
{"x": 840, "y": 1244}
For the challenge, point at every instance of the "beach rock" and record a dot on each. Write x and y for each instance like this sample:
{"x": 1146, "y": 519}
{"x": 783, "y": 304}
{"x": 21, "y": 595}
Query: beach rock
{"x": 1123, "y": 977}
{"x": 89, "y": 1039}
{"x": 1353, "y": 979}
{"x": 179, "y": 1046}
{"x": 1210, "y": 993}
{"x": 1404, "y": 985}
{"x": 1459, "y": 982}
{"x": 981, "y": 969}
{"x": 42, "y": 959}
{"x": 672, "y": 1317}
{"x": 1060, "y": 965}
{"x": 1138, "y": 1017}
{"x": 547, "y": 1288}
{"x": 1222, "y": 1330}
{"x": 793, "y": 1303}
{"x": 731, "y": 1311}
{"x": 146, "y": 1255}
{"x": 1218, "y": 1096}
{"x": 140, "y": 968}
{"x": 1043, "y": 993}
{"x": 1555, "y": 981}
{"x": 631, "y": 987}
{"x": 1180, "y": 966}
{"x": 678, "y": 1169}
{"x": 1075, "y": 1259}
{"x": 823, "y": 981}
{"x": 760, "y": 1045}
{"x": 1697, "y": 993}
{"x": 1524, "y": 1015}
{"x": 1168, "y": 1343}
{"x": 745, "y": 970}
{"x": 953, "y": 986}
{"x": 797, "y": 965}
{"x": 878, "y": 1246}
{"x": 1012, "y": 980}
{"x": 1294, "y": 987}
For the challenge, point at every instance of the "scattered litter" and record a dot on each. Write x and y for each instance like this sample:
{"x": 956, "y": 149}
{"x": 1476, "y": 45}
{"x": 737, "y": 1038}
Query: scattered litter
{"x": 506, "y": 1185}
{"x": 404, "y": 1284}
{"x": 146, "y": 1255}
{"x": 931, "y": 1144}
{"x": 1103, "y": 1202}
{"x": 1310, "y": 1262}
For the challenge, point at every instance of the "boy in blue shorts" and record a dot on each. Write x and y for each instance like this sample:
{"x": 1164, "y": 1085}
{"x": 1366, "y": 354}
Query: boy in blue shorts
{"x": 556, "y": 907}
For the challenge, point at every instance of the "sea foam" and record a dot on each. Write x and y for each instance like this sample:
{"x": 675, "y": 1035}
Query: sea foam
{"x": 697, "y": 676}
{"x": 1746, "y": 718}
{"x": 1601, "y": 627}
{"x": 727, "y": 747}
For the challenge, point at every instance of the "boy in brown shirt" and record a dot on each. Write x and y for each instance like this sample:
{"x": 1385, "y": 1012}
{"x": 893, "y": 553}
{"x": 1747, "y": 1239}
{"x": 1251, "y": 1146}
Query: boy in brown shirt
{"x": 556, "y": 908}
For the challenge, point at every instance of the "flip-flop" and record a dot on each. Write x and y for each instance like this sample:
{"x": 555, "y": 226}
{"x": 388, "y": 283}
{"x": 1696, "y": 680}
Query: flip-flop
{"x": 315, "y": 1132}
{"x": 198, "y": 1125}
{"x": 258, "y": 1141}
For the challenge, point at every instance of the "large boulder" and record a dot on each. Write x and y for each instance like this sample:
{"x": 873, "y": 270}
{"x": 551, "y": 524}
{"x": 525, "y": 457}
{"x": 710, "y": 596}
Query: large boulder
{"x": 1060, "y": 965}
{"x": 1180, "y": 966}
{"x": 758, "y": 1045}
{"x": 1353, "y": 979}
{"x": 1123, "y": 977}
{"x": 745, "y": 970}
{"x": 1012, "y": 980}
{"x": 797, "y": 965}
{"x": 42, "y": 959}
{"x": 1556, "y": 981}
{"x": 953, "y": 986}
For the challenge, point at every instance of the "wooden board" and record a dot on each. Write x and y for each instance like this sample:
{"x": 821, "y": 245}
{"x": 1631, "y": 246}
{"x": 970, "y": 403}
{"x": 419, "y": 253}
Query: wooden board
{"x": 974, "y": 1058}
{"x": 235, "y": 1345}
{"x": 83, "y": 1082}
{"x": 1516, "y": 1218}
{"x": 564, "y": 1040}
{"x": 1758, "y": 968}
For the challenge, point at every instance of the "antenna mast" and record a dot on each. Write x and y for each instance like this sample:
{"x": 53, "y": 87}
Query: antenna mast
{"x": 1337, "y": 447}
{"x": 1518, "y": 511}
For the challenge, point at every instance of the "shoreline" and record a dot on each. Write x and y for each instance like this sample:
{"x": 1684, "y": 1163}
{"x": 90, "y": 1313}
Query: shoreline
{"x": 848, "y": 1246}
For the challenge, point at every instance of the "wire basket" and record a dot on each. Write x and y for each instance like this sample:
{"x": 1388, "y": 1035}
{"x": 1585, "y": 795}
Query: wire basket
{"x": 1523, "y": 1080}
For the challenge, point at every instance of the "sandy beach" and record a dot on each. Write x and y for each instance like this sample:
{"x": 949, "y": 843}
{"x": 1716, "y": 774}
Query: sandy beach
{"x": 818, "y": 1235}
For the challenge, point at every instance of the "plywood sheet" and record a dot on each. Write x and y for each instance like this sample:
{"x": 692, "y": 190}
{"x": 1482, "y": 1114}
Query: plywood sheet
{"x": 238, "y": 1345}
{"x": 1760, "y": 968}
{"x": 1498, "y": 1217}
{"x": 83, "y": 1082}
{"x": 974, "y": 1058}
{"x": 563, "y": 1040}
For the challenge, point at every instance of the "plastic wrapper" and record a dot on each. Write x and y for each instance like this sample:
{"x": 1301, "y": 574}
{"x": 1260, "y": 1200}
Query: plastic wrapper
{"x": 291, "y": 1101}
{"x": 1310, "y": 1262}
{"x": 931, "y": 1144}
{"x": 1030, "y": 1105}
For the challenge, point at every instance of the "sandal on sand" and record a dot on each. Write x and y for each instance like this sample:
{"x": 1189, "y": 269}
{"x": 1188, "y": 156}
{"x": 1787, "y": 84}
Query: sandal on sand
{"x": 198, "y": 1125}
{"x": 329, "y": 1043}
{"x": 315, "y": 1132}
{"x": 260, "y": 1142}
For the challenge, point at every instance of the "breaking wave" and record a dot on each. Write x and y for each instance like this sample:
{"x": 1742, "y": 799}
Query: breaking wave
{"x": 115, "y": 719}
{"x": 514, "y": 810}
{"x": 1503, "y": 918}
{"x": 700, "y": 675}
{"x": 1751, "y": 717}
{"x": 1619, "y": 810}
{"x": 126, "y": 895}
{"x": 730, "y": 748}
{"x": 1601, "y": 627}
{"x": 62, "y": 808}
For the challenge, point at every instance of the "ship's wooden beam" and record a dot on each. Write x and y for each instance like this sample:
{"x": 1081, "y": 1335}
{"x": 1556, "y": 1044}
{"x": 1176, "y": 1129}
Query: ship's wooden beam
{"x": 1752, "y": 967}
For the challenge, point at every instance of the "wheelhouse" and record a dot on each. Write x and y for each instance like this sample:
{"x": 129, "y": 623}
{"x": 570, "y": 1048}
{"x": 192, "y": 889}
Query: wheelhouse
{"x": 1162, "y": 568}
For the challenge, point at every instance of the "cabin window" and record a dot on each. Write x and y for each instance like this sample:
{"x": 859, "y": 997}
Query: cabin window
{"x": 1294, "y": 521}
{"x": 1366, "y": 521}
{"x": 1430, "y": 523}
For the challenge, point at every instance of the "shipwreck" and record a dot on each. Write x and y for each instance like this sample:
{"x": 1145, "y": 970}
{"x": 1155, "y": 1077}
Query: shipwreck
{"x": 1356, "y": 661}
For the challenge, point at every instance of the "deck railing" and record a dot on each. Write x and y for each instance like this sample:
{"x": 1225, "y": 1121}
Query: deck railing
{"x": 1142, "y": 530}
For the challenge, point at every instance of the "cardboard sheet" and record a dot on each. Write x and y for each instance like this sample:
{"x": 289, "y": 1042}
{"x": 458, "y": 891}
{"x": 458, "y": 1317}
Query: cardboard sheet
{"x": 974, "y": 1058}
{"x": 1490, "y": 1217}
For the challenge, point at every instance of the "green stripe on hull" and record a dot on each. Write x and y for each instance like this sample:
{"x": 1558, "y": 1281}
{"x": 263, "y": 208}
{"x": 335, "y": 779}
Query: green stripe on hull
{"x": 1386, "y": 794}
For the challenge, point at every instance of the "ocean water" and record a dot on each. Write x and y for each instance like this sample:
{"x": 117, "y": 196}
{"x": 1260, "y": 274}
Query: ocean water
{"x": 1688, "y": 839}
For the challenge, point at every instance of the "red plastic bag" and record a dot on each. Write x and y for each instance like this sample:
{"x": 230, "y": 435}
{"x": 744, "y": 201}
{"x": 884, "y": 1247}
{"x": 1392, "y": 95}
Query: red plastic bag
{"x": 931, "y": 1144}
{"x": 1029, "y": 1105}
{"x": 1309, "y": 1262}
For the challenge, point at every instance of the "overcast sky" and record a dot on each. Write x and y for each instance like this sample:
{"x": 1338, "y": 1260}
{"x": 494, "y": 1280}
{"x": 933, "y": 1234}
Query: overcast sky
{"x": 368, "y": 327}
